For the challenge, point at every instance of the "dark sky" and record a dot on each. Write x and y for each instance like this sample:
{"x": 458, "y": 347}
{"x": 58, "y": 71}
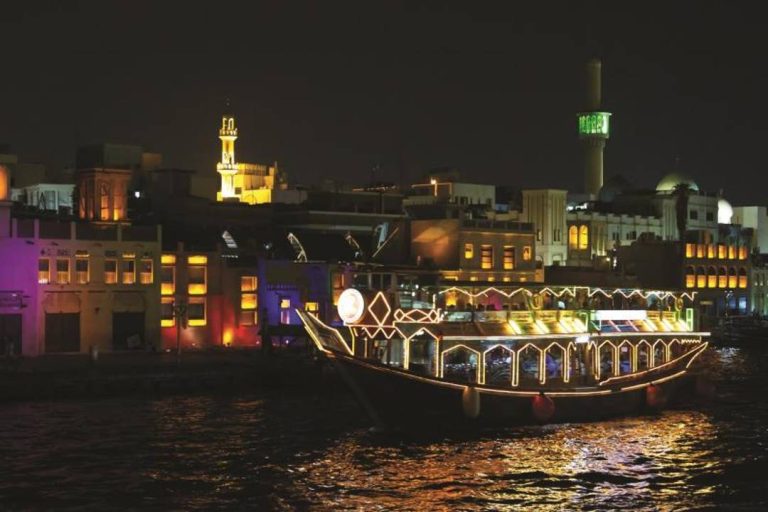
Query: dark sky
{"x": 330, "y": 89}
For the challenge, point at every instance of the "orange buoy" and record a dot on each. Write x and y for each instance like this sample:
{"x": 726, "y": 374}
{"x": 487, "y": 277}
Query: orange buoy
{"x": 470, "y": 402}
{"x": 543, "y": 407}
{"x": 655, "y": 398}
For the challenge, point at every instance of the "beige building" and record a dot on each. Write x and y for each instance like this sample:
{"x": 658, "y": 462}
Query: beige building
{"x": 593, "y": 235}
{"x": 81, "y": 286}
{"x": 477, "y": 250}
{"x": 545, "y": 209}
{"x": 69, "y": 286}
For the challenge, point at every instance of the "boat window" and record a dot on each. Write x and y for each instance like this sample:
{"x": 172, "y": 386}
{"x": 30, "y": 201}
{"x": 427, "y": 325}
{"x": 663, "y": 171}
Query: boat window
{"x": 528, "y": 366}
{"x": 395, "y": 353}
{"x": 625, "y": 358}
{"x": 498, "y": 367}
{"x": 578, "y": 365}
{"x": 659, "y": 354}
{"x": 554, "y": 363}
{"x": 607, "y": 363}
{"x": 643, "y": 356}
{"x": 460, "y": 365}
{"x": 421, "y": 359}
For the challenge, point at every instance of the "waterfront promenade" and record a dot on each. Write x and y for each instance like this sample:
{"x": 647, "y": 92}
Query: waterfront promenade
{"x": 148, "y": 373}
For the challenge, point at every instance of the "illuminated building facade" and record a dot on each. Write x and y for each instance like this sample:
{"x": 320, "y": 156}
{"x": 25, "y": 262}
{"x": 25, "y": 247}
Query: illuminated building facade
{"x": 226, "y": 302}
{"x": 103, "y": 194}
{"x": 247, "y": 183}
{"x": 719, "y": 270}
{"x": 78, "y": 285}
{"x": 592, "y": 236}
{"x": 480, "y": 250}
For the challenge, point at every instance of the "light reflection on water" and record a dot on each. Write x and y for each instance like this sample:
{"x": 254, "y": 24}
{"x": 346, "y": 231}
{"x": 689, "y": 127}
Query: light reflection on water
{"x": 279, "y": 452}
{"x": 632, "y": 463}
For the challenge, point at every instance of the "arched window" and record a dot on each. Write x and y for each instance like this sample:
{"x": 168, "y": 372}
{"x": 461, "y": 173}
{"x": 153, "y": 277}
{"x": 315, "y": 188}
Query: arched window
{"x": 722, "y": 278}
{"x": 711, "y": 277}
{"x": 701, "y": 277}
{"x": 690, "y": 277}
{"x": 742, "y": 277}
{"x": 743, "y": 252}
{"x": 573, "y": 237}
{"x": 104, "y": 200}
{"x": 583, "y": 237}
{"x": 732, "y": 282}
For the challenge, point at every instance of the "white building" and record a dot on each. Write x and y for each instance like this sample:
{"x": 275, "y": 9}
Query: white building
{"x": 755, "y": 217}
{"x": 45, "y": 196}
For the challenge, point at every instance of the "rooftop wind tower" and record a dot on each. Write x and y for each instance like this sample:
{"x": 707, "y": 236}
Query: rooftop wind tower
{"x": 593, "y": 129}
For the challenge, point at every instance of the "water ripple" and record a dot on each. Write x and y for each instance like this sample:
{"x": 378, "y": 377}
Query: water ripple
{"x": 278, "y": 452}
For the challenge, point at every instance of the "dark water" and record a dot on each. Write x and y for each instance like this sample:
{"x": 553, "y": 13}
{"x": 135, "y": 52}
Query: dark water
{"x": 315, "y": 453}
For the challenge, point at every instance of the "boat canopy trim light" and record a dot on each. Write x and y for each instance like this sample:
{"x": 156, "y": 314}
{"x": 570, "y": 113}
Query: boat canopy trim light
{"x": 621, "y": 314}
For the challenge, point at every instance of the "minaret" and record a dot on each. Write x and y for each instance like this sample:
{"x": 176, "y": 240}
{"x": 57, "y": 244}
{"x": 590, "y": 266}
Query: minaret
{"x": 593, "y": 130}
{"x": 227, "y": 167}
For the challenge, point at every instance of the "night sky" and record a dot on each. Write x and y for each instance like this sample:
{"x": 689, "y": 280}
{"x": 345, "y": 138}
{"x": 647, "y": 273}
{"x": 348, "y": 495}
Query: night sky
{"x": 332, "y": 89}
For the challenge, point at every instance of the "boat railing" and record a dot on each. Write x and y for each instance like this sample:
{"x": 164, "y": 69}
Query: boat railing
{"x": 545, "y": 315}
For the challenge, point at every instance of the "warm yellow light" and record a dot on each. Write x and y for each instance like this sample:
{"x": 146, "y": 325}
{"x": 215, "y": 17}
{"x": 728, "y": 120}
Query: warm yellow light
{"x": 248, "y": 284}
{"x": 197, "y": 260}
{"x": 515, "y": 327}
{"x": 227, "y": 338}
{"x": 167, "y": 322}
{"x": 196, "y": 288}
{"x": 168, "y": 259}
{"x": 167, "y": 289}
{"x": 248, "y": 301}
{"x": 196, "y": 322}
{"x": 129, "y": 255}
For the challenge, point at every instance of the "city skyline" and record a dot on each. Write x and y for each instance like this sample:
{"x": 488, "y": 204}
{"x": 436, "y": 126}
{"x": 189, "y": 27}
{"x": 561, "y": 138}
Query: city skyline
{"x": 333, "y": 92}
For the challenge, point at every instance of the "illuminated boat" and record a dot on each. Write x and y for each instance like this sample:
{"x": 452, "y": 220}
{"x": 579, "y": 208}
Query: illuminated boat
{"x": 510, "y": 354}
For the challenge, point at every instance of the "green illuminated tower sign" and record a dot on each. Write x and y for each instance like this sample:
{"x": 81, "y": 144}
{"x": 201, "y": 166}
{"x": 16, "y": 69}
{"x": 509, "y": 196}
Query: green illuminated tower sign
{"x": 594, "y": 124}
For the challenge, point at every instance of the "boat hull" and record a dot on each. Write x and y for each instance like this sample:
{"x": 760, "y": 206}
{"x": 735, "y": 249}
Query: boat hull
{"x": 395, "y": 398}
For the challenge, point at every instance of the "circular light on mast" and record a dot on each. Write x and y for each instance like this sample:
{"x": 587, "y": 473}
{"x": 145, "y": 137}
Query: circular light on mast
{"x": 351, "y": 305}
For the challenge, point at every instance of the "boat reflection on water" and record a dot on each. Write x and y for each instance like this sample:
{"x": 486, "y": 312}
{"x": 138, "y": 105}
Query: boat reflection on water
{"x": 662, "y": 462}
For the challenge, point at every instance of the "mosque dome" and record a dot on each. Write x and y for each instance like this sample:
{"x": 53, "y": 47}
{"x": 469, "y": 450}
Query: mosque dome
{"x": 724, "y": 211}
{"x": 671, "y": 180}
